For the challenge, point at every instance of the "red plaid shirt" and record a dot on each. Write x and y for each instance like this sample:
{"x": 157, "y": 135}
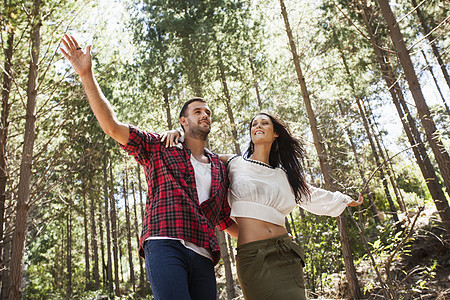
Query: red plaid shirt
{"x": 172, "y": 208}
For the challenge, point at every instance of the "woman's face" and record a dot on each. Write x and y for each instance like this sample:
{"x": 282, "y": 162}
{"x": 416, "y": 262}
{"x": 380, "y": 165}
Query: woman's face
{"x": 262, "y": 130}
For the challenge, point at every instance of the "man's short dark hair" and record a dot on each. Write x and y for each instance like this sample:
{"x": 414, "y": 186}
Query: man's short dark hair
{"x": 186, "y": 104}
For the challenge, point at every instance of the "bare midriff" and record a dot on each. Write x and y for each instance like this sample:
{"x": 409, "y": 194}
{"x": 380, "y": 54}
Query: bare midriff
{"x": 251, "y": 230}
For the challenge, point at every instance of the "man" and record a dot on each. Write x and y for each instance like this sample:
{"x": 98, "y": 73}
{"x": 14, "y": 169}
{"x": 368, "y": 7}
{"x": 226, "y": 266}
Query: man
{"x": 187, "y": 188}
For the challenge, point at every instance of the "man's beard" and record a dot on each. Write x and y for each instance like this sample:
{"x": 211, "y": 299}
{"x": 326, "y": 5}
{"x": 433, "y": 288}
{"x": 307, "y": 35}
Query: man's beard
{"x": 200, "y": 133}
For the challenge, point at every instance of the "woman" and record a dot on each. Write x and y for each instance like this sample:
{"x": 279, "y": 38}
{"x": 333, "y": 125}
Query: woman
{"x": 265, "y": 186}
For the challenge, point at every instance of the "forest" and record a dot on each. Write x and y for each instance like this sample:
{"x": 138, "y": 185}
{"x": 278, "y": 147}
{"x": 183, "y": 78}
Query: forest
{"x": 363, "y": 84}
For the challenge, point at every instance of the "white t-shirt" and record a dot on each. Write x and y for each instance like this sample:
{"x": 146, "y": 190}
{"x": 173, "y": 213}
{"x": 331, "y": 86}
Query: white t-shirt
{"x": 203, "y": 181}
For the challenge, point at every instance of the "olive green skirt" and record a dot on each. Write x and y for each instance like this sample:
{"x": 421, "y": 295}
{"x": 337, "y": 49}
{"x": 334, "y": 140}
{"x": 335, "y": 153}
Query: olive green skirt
{"x": 271, "y": 269}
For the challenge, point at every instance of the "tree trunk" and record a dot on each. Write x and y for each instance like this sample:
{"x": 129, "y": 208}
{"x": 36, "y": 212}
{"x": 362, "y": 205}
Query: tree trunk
{"x": 230, "y": 249}
{"x": 6, "y": 279}
{"x": 107, "y": 222}
{"x": 369, "y": 194}
{"x": 435, "y": 82}
{"x": 60, "y": 259}
{"x": 392, "y": 207}
{"x": 86, "y": 241}
{"x": 20, "y": 224}
{"x": 287, "y": 225}
{"x": 136, "y": 230}
{"x": 227, "y": 264}
{"x": 366, "y": 191}
{"x": 227, "y": 101}
{"x": 102, "y": 242}
{"x": 364, "y": 118}
{"x": 255, "y": 84}
{"x": 293, "y": 226}
{"x": 410, "y": 128}
{"x": 69, "y": 254}
{"x": 167, "y": 107}
{"x": 128, "y": 228}
{"x": 384, "y": 157}
{"x": 433, "y": 137}
{"x": 142, "y": 206}
{"x": 94, "y": 241}
{"x": 323, "y": 160}
{"x": 4, "y": 124}
{"x": 114, "y": 233}
{"x": 426, "y": 32}
{"x": 141, "y": 198}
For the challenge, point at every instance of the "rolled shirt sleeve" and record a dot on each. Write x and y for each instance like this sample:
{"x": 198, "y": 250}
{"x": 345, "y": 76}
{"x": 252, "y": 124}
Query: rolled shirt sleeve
{"x": 326, "y": 203}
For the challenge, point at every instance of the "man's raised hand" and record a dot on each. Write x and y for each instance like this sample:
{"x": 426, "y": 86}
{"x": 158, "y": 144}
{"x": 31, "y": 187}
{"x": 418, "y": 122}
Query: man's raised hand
{"x": 81, "y": 61}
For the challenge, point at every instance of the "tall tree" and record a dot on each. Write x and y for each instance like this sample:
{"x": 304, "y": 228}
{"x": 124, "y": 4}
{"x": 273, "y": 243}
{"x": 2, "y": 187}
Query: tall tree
{"x": 136, "y": 232}
{"x": 406, "y": 117}
{"x": 323, "y": 160}
{"x": 114, "y": 232}
{"x": 430, "y": 69}
{"x": 231, "y": 294}
{"x": 4, "y": 121}
{"x": 367, "y": 191}
{"x": 86, "y": 239}
{"x": 107, "y": 222}
{"x": 128, "y": 227}
{"x": 433, "y": 137}
{"x": 94, "y": 239}
{"x": 427, "y": 31}
{"x": 20, "y": 223}
{"x": 69, "y": 253}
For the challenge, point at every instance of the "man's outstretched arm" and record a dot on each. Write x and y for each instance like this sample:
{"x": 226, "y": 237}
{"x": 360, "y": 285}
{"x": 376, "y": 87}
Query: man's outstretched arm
{"x": 82, "y": 64}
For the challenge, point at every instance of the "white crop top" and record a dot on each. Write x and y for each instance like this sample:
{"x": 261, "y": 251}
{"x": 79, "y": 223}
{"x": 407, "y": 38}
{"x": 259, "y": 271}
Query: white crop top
{"x": 261, "y": 192}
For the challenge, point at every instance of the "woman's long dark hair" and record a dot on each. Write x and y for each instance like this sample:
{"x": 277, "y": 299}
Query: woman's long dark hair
{"x": 286, "y": 152}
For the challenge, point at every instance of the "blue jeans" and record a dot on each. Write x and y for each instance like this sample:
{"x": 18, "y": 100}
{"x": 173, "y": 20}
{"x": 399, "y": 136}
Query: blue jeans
{"x": 178, "y": 273}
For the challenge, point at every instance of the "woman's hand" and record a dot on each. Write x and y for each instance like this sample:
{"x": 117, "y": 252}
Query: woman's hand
{"x": 171, "y": 138}
{"x": 357, "y": 203}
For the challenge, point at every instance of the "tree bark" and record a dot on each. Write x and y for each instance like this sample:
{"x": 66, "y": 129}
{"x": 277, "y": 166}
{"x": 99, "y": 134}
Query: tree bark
{"x": 114, "y": 233}
{"x": 6, "y": 279}
{"x": 392, "y": 207}
{"x": 128, "y": 228}
{"x": 20, "y": 224}
{"x": 384, "y": 157}
{"x": 411, "y": 130}
{"x": 366, "y": 191}
{"x": 167, "y": 107}
{"x": 366, "y": 124}
{"x": 136, "y": 231}
{"x": 107, "y": 222}
{"x": 255, "y": 84}
{"x": 4, "y": 124}
{"x": 102, "y": 242}
{"x": 435, "y": 82}
{"x": 227, "y": 101}
{"x": 69, "y": 254}
{"x": 94, "y": 241}
{"x": 293, "y": 226}
{"x": 433, "y": 137}
{"x": 227, "y": 264}
{"x": 426, "y": 32}
{"x": 323, "y": 160}
{"x": 142, "y": 206}
{"x": 86, "y": 241}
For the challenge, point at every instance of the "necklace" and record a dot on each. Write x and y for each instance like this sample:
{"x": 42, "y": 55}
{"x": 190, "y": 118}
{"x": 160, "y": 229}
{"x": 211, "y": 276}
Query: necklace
{"x": 259, "y": 163}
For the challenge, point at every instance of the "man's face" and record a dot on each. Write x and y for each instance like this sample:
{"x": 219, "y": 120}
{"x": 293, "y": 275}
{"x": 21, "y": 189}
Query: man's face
{"x": 198, "y": 120}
